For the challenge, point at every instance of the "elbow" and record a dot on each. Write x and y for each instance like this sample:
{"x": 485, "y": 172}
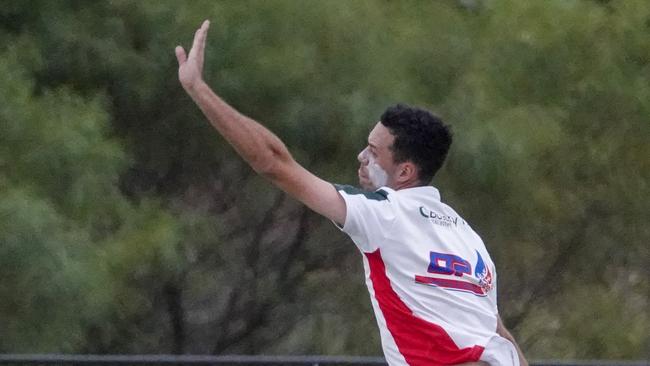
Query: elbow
{"x": 272, "y": 170}
{"x": 271, "y": 164}
{"x": 266, "y": 168}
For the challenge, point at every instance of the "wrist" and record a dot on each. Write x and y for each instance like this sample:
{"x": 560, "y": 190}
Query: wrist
{"x": 195, "y": 88}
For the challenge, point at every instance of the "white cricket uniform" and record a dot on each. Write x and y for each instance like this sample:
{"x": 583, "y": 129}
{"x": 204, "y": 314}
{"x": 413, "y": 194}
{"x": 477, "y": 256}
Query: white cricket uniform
{"x": 432, "y": 283}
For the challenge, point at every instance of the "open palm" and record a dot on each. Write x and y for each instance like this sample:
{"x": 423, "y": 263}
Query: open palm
{"x": 190, "y": 66}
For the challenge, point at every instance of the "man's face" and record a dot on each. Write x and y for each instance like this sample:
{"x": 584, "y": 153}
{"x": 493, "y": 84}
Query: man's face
{"x": 376, "y": 160}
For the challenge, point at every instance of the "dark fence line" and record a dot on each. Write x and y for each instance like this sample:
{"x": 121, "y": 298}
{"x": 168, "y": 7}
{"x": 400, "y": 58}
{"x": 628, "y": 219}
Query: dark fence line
{"x": 194, "y": 360}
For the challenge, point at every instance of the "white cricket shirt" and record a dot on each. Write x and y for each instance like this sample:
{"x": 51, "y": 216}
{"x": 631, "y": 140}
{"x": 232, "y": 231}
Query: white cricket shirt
{"x": 431, "y": 280}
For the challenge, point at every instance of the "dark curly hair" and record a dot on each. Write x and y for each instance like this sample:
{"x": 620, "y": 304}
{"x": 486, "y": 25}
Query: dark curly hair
{"x": 420, "y": 137}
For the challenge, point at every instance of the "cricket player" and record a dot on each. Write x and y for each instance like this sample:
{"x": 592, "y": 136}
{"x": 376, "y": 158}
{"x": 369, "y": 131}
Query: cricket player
{"x": 431, "y": 281}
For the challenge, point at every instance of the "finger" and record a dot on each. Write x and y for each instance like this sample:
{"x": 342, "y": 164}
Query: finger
{"x": 205, "y": 27}
{"x": 180, "y": 55}
{"x": 199, "y": 37}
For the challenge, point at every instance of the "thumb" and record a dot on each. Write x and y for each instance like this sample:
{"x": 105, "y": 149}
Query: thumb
{"x": 180, "y": 55}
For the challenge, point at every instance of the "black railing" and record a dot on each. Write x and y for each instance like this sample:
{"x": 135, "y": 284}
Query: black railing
{"x": 193, "y": 360}
{"x": 240, "y": 360}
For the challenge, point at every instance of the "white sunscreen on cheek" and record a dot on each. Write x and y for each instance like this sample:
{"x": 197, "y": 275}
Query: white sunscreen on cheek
{"x": 377, "y": 176}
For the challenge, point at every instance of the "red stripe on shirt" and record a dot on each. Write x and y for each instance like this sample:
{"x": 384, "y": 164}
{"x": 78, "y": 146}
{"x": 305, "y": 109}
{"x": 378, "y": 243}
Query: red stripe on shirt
{"x": 451, "y": 284}
{"x": 419, "y": 341}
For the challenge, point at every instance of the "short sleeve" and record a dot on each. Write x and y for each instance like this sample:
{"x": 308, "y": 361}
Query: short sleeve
{"x": 369, "y": 216}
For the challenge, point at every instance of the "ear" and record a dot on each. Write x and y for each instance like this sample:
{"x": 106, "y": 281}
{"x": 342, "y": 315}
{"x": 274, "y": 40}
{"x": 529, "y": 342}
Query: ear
{"x": 407, "y": 171}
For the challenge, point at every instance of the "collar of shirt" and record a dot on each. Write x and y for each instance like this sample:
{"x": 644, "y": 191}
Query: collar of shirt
{"x": 422, "y": 190}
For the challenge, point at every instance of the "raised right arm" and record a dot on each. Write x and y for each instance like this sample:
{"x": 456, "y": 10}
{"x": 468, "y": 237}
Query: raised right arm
{"x": 258, "y": 146}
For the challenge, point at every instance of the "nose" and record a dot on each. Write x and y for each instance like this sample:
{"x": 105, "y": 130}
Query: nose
{"x": 363, "y": 157}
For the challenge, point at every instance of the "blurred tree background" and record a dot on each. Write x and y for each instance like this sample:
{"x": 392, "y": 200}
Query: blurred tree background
{"x": 127, "y": 225}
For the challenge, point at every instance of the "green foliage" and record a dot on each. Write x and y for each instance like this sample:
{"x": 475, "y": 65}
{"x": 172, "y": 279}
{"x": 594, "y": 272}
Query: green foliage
{"x": 44, "y": 287}
{"x": 66, "y": 230}
{"x": 129, "y": 226}
{"x": 49, "y": 286}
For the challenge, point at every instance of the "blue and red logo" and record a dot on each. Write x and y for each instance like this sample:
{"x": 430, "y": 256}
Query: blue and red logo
{"x": 455, "y": 273}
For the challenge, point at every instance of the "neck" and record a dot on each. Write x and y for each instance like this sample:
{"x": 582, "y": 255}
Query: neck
{"x": 407, "y": 184}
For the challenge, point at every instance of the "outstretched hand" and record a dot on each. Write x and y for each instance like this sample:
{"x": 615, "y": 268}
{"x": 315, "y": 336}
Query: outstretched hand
{"x": 190, "y": 66}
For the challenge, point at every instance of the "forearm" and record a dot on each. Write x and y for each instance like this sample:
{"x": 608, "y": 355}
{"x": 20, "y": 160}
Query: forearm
{"x": 258, "y": 146}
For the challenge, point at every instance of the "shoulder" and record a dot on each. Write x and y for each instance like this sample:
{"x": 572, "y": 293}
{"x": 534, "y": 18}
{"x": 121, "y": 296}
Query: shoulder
{"x": 382, "y": 194}
{"x": 369, "y": 215}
